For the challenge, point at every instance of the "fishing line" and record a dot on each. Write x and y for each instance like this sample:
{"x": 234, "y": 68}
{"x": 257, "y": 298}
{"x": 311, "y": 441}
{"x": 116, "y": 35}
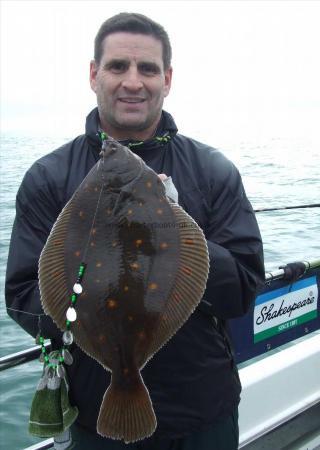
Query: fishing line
{"x": 97, "y": 207}
{"x": 25, "y": 312}
{"x": 313, "y": 205}
{"x": 92, "y": 225}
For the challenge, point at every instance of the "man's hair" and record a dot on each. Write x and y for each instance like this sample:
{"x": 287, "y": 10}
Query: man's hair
{"x": 136, "y": 24}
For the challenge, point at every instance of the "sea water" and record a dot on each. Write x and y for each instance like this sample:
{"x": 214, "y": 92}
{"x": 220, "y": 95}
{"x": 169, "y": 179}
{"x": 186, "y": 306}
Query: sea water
{"x": 276, "y": 172}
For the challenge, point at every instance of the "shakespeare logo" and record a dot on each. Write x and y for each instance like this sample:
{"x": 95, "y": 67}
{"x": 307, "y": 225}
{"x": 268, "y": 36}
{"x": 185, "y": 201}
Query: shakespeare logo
{"x": 279, "y": 310}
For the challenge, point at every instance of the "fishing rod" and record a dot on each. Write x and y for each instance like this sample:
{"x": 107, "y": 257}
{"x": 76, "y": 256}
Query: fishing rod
{"x": 313, "y": 205}
{"x": 280, "y": 273}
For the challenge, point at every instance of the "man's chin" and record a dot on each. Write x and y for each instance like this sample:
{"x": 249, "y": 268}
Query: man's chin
{"x": 133, "y": 124}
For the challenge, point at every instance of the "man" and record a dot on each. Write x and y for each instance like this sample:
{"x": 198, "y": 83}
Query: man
{"x": 193, "y": 381}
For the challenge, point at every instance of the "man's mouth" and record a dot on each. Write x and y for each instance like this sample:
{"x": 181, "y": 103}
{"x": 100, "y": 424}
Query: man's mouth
{"x": 131, "y": 100}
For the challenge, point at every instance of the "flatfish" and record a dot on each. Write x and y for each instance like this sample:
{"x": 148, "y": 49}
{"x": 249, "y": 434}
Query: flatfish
{"x": 127, "y": 266}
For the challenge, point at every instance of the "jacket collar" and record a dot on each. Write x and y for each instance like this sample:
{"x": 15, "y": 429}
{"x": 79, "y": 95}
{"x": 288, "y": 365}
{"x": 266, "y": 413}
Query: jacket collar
{"x": 166, "y": 130}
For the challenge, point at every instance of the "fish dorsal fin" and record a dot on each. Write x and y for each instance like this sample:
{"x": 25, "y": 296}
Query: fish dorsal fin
{"x": 54, "y": 281}
{"x": 190, "y": 281}
{"x": 52, "y": 276}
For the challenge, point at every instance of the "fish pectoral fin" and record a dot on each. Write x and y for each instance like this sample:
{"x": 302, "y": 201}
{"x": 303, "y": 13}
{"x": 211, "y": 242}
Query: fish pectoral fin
{"x": 126, "y": 411}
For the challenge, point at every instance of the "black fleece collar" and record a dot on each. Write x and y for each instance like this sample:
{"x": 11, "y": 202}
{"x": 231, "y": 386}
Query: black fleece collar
{"x": 166, "y": 130}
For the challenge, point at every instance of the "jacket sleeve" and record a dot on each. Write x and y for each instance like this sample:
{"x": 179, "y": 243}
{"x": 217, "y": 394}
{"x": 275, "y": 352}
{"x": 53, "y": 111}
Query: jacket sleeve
{"x": 235, "y": 247}
{"x": 36, "y": 211}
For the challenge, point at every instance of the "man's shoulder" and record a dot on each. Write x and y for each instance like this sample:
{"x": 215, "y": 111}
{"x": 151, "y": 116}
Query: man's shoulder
{"x": 57, "y": 161}
{"x": 209, "y": 159}
{"x": 62, "y": 153}
{"x": 50, "y": 172}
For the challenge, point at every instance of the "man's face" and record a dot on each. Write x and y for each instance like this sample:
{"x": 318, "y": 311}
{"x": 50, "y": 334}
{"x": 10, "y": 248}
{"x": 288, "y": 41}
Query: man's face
{"x": 130, "y": 83}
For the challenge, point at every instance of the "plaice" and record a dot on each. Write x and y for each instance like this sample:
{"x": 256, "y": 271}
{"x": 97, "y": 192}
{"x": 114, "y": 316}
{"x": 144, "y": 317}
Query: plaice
{"x": 146, "y": 270}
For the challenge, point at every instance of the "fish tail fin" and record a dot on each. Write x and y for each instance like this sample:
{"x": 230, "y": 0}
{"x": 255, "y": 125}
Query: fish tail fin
{"x": 126, "y": 411}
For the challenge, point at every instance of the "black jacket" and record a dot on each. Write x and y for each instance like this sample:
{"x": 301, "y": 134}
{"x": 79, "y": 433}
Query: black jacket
{"x": 192, "y": 380}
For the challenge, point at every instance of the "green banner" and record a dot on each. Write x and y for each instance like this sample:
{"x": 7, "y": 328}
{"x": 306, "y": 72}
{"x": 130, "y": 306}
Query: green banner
{"x": 285, "y": 326}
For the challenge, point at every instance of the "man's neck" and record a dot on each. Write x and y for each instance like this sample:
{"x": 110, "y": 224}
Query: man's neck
{"x": 131, "y": 135}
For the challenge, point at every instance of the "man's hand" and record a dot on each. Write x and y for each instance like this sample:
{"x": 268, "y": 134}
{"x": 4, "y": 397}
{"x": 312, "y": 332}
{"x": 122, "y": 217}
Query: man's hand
{"x": 171, "y": 190}
{"x": 293, "y": 271}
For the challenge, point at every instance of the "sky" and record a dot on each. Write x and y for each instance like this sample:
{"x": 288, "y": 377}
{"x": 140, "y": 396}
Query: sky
{"x": 241, "y": 69}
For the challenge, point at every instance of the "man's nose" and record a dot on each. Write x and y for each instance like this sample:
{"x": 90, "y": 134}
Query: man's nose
{"x": 132, "y": 80}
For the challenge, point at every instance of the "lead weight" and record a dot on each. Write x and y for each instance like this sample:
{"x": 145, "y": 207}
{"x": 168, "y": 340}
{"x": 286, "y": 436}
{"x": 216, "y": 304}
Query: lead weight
{"x": 53, "y": 361}
{"x": 61, "y": 372}
{"x": 48, "y": 372}
{"x": 68, "y": 359}
{"x": 42, "y": 383}
{"x": 54, "y": 383}
{"x": 38, "y": 339}
{"x": 67, "y": 337}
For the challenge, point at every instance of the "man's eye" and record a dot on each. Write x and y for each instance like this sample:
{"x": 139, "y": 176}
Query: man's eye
{"x": 118, "y": 67}
{"x": 148, "y": 69}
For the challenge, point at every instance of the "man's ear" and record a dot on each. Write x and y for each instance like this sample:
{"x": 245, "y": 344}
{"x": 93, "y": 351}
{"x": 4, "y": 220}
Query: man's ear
{"x": 167, "y": 81}
{"x": 93, "y": 74}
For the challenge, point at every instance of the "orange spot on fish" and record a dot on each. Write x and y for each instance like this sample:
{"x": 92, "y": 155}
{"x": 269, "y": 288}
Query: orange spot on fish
{"x": 125, "y": 371}
{"x": 94, "y": 230}
{"x": 114, "y": 243}
{"x": 134, "y": 266}
{"x": 129, "y": 212}
{"x": 138, "y": 242}
{"x": 57, "y": 242}
{"x": 163, "y": 245}
{"x": 153, "y": 286}
{"x": 56, "y": 274}
{"x": 108, "y": 211}
{"x": 99, "y": 264}
{"x": 130, "y": 318}
{"x": 140, "y": 204}
{"x": 81, "y": 213}
{"x": 111, "y": 303}
{"x": 189, "y": 241}
{"x": 159, "y": 211}
{"x": 149, "y": 184}
{"x": 92, "y": 244}
{"x": 96, "y": 189}
{"x": 186, "y": 270}
{"x": 77, "y": 253}
{"x": 126, "y": 288}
